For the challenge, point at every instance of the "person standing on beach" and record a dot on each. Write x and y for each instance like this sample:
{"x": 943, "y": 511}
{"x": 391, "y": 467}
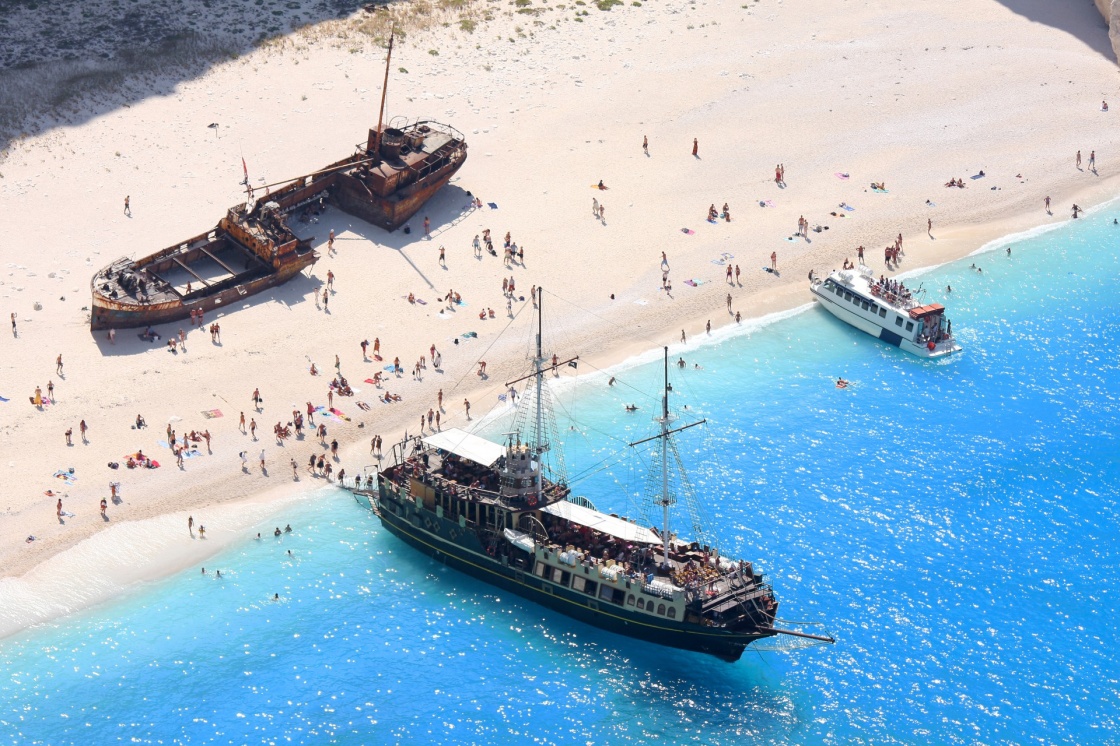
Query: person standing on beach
{"x": 330, "y": 279}
{"x": 695, "y": 147}
{"x": 467, "y": 406}
{"x": 82, "y": 428}
{"x": 253, "y": 428}
{"x": 241, "y": 424}
{"x": 1092, "y": 160}
{"x": 127, "y": 209}
{"x": 1047, "y": 203}
{"x": 69, "y": 432}
{"x": 774, "y": 261}
{"x": 310, "y": 413}
{"x": 326, "y": 299}
{"x": 595, "y": 207}
{"x": 244, "y": 461}
{"x": 1079, "y": 160}
{"x": 256, "y": 399}
{"x": 50, "y": 391}
{"x": 58, "y": 364}
{"x": 708, "y": 326}
{"x": 262, "y": 459}
{"x": 377, "y": 348}
{"x": 929, "y": 222}
{"x": 58, "y": 510}
{"x": 365, "y": 344}
{"x": 427, "y": 227}
{"x": 190, "y": 525}
{"x": 442, "y": 257}
{"x": 682, "y": 337}
{"x": 729, "y": 302}
{"x": 737, "y": 276}
{"x": 645, "y": 144}
{"x": 330, "y": 242}
{"x": 15, "y": 333}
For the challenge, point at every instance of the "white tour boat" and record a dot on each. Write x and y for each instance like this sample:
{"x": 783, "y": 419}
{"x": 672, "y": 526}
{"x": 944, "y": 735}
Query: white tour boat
{"x": 885, "y": 309}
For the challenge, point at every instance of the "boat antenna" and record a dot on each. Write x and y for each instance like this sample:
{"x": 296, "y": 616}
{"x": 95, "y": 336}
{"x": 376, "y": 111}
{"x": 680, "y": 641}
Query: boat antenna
{"x": 384, "y": 90}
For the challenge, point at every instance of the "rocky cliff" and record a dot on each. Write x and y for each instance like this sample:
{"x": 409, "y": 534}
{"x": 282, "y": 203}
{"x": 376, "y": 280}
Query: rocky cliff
{"x": 1110, "y": 9}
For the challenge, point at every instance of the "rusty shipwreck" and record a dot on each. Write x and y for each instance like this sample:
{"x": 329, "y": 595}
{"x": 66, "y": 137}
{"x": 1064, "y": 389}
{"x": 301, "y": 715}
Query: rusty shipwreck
{"x": 390, "y": 176}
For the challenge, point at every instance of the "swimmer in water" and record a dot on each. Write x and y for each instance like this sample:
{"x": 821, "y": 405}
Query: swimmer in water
{"x": 841, "y": 383}
{"x": 631, "y": 408}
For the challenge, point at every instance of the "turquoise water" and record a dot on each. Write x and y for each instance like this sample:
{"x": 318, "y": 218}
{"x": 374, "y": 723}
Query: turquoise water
{"x": 954, "y": 524}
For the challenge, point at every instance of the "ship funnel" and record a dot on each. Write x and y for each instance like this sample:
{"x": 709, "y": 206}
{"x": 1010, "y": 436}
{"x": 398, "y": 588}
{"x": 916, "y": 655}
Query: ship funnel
{"x": 392, "y": 140}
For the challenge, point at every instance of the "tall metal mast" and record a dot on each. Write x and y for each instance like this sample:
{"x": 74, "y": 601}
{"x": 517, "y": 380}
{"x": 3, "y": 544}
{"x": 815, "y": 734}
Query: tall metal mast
{"x": 384, "y": 90}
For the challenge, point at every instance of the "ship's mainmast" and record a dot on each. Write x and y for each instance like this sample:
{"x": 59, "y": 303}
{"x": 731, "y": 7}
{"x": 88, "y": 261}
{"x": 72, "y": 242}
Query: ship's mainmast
{"x": 666, "y": 499}
{"x": 538, "y": 366}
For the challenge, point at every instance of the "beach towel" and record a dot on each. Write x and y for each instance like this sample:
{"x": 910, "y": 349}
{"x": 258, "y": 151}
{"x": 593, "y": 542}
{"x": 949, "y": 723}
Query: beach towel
{"x": 66, "y": 514}
{"x": 370, "y": 380}
{"x": 192, "y": 453}
{"x": 720, "y": 262}
{"x": 977, "y": 176}
{"x": 389, "y": 368}
{"x": 470, "y": 335}
{"x": 66, "y": 475}
{"x": 338, "y": 413}
{"x": 725, "y": 255}
{"x": 841, "y": 176}
{"x": 3, "y": 399}
{"x": 694, "y": 283}
{"x": 327, "y": 414}
{"x": 493, "y": 205}
{"x": 849, "y": 208}
{"x": 880, "y": 191}
{"x": 688, "y": 231}
{"x": 767, "y": 203}
{"x": 211, "y": 414}
{"x": 421, "y": 301}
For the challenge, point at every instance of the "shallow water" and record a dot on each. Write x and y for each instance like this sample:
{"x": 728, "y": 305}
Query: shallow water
{"x": 953, "y": 523}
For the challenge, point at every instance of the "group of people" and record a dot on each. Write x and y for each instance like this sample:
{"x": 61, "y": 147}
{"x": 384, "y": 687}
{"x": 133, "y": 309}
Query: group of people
{"x": 890, "y": 289}
{"x": 714, "y": 214}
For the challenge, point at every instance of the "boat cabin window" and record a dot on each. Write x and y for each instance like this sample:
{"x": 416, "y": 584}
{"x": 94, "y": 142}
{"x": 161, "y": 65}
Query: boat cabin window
{"x": 909, "y": 326}
{"x": 613, "y": 595}
{"x": 898, "y": 321}
{"x": 672, "y": 612}
{"x": 641, "y": 603}
{"x": 847, "y": 296}
{"x": 865, "y": 306}
{"x": 630, "y": 600}
{"x": 560, "y": 577}
{"x": 540, "y": 569}
{"x": 661, "y": 608}
{"x": 882, "y": 313}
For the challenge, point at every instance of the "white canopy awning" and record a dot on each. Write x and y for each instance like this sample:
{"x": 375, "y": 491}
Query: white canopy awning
{"x": 470, "y": 447}
{"x": 602, "y": 522}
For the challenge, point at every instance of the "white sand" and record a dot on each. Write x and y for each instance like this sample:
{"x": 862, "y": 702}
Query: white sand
{"x": 908, "y": 95}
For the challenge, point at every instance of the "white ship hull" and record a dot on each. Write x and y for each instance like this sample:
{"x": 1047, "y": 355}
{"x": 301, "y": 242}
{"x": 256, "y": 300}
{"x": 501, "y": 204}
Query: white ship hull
{"x": 856, "y": 306}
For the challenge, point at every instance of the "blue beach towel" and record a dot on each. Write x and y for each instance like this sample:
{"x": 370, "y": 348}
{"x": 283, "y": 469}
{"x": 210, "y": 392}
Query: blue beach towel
{"x": 493, "y": 205}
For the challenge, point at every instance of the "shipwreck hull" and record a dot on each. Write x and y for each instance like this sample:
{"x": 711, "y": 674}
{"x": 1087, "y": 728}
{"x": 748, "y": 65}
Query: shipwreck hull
{"x": 390, "y": 213}
{"x": 109, "y": 313}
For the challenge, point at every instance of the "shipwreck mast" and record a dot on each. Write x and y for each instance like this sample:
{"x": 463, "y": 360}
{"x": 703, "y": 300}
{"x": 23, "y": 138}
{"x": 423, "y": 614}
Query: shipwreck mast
{"x": 384, "y": 90}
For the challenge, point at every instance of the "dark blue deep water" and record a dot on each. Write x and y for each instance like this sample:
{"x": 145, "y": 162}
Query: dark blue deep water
{"x": 954, "y": 523}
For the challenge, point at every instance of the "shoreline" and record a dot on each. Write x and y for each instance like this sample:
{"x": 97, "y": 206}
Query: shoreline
{"x": 545, "y": 207}
{"x": 38, "y": 597}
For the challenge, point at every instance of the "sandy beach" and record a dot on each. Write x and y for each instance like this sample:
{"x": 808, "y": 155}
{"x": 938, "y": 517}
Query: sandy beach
{"x": 551, "y": 104}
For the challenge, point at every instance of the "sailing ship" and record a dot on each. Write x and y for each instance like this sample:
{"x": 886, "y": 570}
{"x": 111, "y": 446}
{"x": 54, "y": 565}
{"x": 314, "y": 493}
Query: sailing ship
{"x": 506, "y": 515}
{"x": 886, "y": 309}
{"x": 398, "y": 168}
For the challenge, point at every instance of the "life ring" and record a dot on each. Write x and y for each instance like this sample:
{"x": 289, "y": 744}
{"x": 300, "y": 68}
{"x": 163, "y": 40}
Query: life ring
{"x": 532, "y": 501}
{"x": 932, "y": 345}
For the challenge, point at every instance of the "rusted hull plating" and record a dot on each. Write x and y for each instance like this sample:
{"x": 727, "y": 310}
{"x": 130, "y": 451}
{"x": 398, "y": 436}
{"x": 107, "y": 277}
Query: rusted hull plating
{"x": 111, "y": 314}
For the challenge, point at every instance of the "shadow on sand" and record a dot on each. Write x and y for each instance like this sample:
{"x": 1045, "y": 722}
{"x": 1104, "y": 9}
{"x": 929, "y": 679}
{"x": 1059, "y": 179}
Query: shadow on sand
{"x": 70, "y": 61}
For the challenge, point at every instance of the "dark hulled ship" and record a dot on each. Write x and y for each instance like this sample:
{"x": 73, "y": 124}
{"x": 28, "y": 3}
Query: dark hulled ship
{"x": 495, "y": 512}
